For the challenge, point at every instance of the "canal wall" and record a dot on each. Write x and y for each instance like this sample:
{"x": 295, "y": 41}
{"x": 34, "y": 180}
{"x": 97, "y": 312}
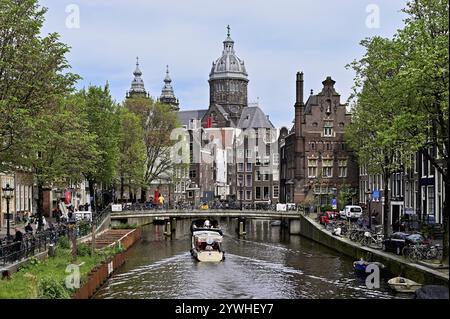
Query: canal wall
{"x": 101, "y": 273}
{"x": 397, "y": 265}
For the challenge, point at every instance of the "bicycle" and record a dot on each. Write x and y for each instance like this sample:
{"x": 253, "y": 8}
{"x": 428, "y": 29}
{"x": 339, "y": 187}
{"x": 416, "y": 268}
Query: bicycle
{"x": 372, "y": 240}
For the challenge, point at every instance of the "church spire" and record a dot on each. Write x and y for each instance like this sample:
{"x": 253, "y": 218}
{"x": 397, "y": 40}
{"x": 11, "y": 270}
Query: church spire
{"x": 167, "y": 94}
{"x": 137, "y": 85}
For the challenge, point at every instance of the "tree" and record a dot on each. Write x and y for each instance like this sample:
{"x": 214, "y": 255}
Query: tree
{"x": 410, "y": 74}
{"x": 158, "y": 121}
{"x": 59, "y": 145}
{"x": 370, "y": 133}
{"x": 424, "y": 78}
{"x": 33, "y": 70}
{"x": 131, "y": 150}
{"x": 103, "y": 121}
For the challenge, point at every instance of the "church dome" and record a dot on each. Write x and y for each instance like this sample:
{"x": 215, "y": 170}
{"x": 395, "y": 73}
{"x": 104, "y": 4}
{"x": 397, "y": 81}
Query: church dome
{"x": 228, "y": 66}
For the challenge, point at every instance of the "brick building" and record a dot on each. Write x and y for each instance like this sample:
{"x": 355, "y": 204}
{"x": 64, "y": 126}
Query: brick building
{"x": 316, "y": 164}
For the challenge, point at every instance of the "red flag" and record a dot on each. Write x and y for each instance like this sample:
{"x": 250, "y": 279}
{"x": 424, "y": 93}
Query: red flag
{"x": 209, "y": 123}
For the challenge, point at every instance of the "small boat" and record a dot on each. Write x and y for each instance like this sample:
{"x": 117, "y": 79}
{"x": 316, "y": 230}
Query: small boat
{"x": 159, "y": 220}
{"x": 275, "y": 223}
{"x": 207, "y": 241}
{"x": 401, "y": 284}
{"x": 361, "y": 265}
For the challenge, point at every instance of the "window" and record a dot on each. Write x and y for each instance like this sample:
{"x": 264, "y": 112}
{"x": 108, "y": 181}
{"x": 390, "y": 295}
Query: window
{"x": 248, "y": 180}
{"x": 276, "y": 191}
{"x": 258, "y": 176}
{"x": 248, "y": 153}
{"x": 258, "y": 193}
{"x": 276, "y": 176}
{"x": 342, "y": 168}
{"x": 248, "y": 195}
{"x": 192, "y": 173}
{"x": 249, "y": 167}
{"x": 328, "y": 129}
{"x": 313, "y": 146}
{"x": 240, "y": 167}
{"x": 276, "y": 159}
{"x": 327, "y": 168}
{"x": 240, "y": 180}
{"x": 266, "y": 193}
{"x": 312, "y": 168}
{"x": 190, "y": 194}
{"x": 430, "y": 190}
{"x": 240, "y": 153}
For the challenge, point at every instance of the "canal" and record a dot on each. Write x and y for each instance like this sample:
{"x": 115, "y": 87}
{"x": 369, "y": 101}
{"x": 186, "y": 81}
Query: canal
{"x": 266, "y": 263}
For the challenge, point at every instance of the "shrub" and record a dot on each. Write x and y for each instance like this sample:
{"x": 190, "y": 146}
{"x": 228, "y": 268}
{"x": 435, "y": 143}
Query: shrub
{"x": 50, "y": 288}
{"x": 83, "y": 250}
{"x": 63, "y": 242}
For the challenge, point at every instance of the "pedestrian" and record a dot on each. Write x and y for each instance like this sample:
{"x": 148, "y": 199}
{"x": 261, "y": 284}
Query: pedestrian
{"x": 28, "y": 228}
{"x": 161, "y": 200}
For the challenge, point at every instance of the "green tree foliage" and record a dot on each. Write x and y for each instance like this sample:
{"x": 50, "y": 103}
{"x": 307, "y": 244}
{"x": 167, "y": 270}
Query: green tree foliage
{"x": 33, "y": 70}
{"x": 401, "y": 93}
{"x": 59, "y": 145}
{"x": 131, "y": 150}
{"x": 158, "y": 121}
{"x": 102, "y": 121}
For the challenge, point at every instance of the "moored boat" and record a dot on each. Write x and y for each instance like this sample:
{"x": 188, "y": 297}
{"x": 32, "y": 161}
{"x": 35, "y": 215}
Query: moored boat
{"x": 360, "y": 266}
{"x": 207, "y": 241}
{"x": 405, "y": 285}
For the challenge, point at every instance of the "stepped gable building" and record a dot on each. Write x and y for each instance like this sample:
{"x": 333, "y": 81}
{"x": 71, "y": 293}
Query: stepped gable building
{"x": 316, "y": 163}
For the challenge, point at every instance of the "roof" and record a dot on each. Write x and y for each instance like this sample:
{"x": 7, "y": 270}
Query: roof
{"x": 186, "y": 116}
{"x": 254, "y": 117}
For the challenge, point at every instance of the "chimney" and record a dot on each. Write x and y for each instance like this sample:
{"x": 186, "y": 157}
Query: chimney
{"x": 299, "y": 100}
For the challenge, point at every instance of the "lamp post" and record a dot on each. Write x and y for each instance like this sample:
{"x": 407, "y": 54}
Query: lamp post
{"x": 8, "y": 194}
{"x": 241, "y": 193}
{"x": 369, "y": 193}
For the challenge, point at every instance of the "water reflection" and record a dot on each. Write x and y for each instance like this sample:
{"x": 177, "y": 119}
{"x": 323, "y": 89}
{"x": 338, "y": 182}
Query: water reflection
{"x": 267, "y": 263}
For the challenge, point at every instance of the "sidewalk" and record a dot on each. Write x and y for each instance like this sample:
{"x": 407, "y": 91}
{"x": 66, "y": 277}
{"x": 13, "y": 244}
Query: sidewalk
{"x": 431, "y": 265}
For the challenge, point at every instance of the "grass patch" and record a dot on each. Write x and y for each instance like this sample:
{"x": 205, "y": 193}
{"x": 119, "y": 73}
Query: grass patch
{"x": 46, "y": 279}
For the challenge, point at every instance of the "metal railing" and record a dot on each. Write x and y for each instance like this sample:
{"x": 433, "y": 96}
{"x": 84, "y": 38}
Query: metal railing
{"x": 32, "y": 244}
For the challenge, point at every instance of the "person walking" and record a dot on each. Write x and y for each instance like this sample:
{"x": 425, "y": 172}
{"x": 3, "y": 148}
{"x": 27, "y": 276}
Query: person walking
{"x": 161, "y": 200}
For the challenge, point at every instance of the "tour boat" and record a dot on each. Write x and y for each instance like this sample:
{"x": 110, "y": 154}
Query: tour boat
{"x": 361, "y": 265}
{"x": 401, "y": 284}
{"x": 207, "y": 242}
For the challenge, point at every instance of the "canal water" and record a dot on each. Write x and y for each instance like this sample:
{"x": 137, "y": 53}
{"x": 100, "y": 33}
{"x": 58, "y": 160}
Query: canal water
{"x": 266, "y": 263}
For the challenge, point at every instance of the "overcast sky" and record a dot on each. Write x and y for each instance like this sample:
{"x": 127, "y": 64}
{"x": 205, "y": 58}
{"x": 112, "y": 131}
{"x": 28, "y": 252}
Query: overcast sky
{"x": 274, "y": 38}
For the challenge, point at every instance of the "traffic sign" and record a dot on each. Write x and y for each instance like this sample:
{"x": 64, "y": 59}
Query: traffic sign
{"x": 334, "y": 203}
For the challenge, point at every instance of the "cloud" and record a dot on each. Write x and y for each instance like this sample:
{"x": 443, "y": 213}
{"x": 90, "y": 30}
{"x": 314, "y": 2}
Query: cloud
{"x": 275, "y": 39}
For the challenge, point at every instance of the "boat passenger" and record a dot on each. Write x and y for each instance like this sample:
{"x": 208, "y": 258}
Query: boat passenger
{"x": 207, "y": 224}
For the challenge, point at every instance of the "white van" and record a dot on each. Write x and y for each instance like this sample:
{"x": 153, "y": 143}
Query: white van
{"x": 351, "y": 211}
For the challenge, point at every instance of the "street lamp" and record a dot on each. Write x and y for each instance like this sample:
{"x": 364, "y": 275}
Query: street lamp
{"x": 241, "y": 194}
{"x": 7, "y": 194}
{"x": 369, "y": 193}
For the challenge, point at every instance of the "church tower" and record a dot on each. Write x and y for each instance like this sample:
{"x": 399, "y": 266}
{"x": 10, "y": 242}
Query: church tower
{"x": 167, "y": 94}
{"x": 228, "y": 81}
{"x": 137, "y": 85}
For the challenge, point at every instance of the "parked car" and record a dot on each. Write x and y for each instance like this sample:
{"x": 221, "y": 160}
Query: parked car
{"x": 351, "y": 211}
{"x": 398, "y": 240}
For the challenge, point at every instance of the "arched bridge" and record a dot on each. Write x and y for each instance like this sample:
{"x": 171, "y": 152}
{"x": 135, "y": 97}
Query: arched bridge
{"x": 143, "y": 217}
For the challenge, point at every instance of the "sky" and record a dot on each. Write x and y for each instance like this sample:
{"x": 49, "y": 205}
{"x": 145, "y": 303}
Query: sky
{"x": 276, "y": 39}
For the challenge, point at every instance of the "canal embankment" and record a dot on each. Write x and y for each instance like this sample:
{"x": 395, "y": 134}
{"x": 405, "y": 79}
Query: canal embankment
{"x": 47, "y": 277}
{"x": 397, "y": 265}
{"x": 98, "y": 275}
